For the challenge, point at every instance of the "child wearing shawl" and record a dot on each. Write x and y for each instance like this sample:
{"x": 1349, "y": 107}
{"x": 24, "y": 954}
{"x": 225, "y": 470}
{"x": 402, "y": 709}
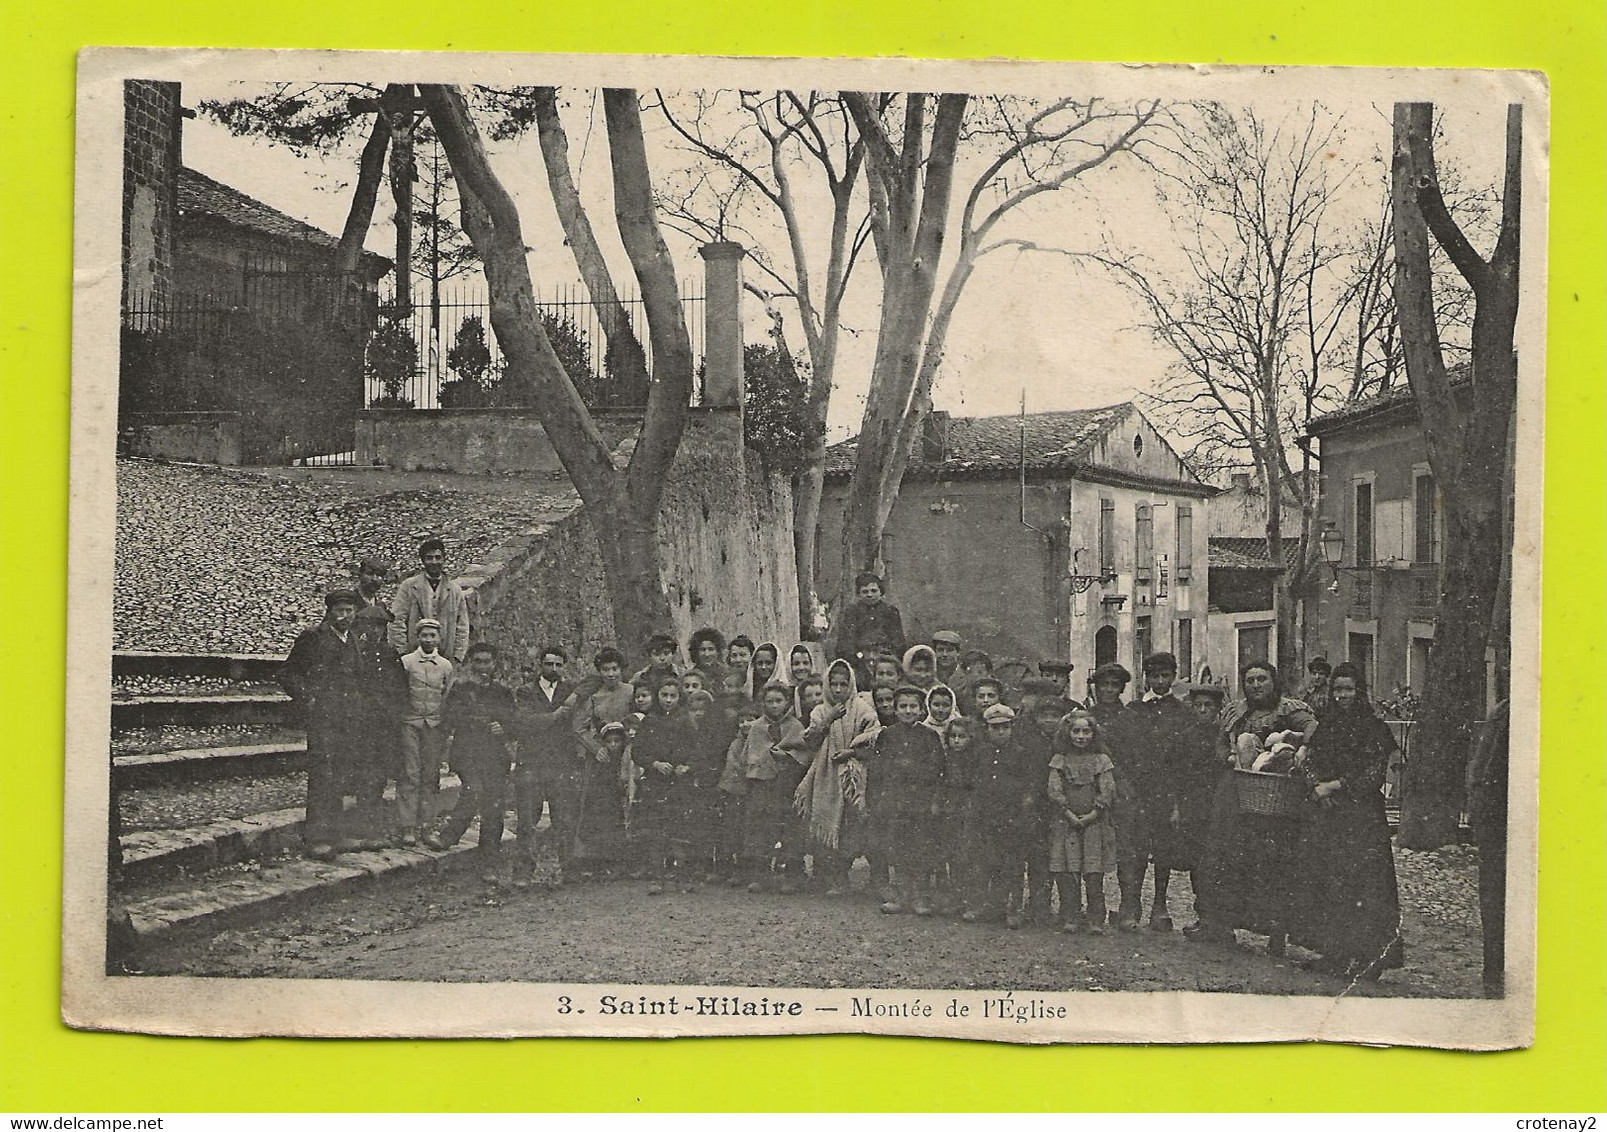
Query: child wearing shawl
{"x": 920, "y": 667}
{"x": 762, "y": 669}
{"x": 940, "y": 709}
{"x": 831, "y": 798}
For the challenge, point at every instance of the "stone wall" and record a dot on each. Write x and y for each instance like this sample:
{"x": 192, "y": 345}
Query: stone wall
{"x": 471, "y": 441}
{"x": 551, "y": 593}
{"x": 725, "y": 534}
{"x": 189, "y": 438}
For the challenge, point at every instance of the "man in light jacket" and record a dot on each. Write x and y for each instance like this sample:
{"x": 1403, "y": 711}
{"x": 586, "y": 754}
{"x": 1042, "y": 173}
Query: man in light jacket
{"x": 432, "y": 595}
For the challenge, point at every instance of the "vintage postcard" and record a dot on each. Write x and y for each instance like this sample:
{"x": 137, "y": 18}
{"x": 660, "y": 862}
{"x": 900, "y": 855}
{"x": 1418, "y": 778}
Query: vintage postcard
{"x": 608, "y": 546}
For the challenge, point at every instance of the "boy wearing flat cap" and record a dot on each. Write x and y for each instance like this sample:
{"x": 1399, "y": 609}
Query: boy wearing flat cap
{"x": 1006, "y": 823}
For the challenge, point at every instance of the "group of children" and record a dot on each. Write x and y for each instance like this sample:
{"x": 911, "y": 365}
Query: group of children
{"x": 768, "y": 770}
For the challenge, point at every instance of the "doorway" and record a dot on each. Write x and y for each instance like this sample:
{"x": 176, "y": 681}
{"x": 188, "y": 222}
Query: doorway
{"x": 1104, "y": 645}
{"x": 1255, "y": 644}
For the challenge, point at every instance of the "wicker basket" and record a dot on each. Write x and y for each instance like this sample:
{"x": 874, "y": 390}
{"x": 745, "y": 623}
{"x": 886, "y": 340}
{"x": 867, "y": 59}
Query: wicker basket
{"x": 1272, "y": 795}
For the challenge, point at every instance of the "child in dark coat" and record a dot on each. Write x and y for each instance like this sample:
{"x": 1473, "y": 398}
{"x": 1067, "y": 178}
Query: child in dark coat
{"x": 955, "y": 872}
{"x": 1007, "y": 827}
{"x": 660, "y": 749}
{"x": 703, "y": 803}
{"x": 760, "y": 779}
{"x": 907, "y": 780}
{"x": 869, "y": 625}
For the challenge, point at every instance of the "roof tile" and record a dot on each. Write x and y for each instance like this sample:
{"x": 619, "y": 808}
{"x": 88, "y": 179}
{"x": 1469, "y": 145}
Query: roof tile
{"x": 1047, "y": 441}
{"x": 202, "y": 196}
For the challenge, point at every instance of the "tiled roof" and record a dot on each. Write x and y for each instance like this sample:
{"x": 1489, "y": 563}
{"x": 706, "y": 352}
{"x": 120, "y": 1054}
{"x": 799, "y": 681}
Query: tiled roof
{"x": 1460, "y": 375}
{"x": 979, "y": 445}
{"x": 200, "y": 195}
{"x": 1232, "y": 553}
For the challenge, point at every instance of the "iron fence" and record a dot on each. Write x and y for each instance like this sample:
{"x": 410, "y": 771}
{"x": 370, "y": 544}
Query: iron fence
{"x": 438, "y": 350}
{"x": 287, "y": 362}
{"x": 299, "y": 354}
{"x": 1405, "y": 732}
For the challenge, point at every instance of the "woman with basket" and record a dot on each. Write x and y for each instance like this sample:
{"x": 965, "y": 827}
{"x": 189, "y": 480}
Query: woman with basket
{"x": 1247, "y": 878}
{"x": 1349, "y": 906}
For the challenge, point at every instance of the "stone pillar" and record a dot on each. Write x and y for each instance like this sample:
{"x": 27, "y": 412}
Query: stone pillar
{"x": 152, "y": 136}
{"x": 723, "y": 384}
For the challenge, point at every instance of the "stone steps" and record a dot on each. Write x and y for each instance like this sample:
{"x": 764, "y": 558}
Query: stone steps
{"x": 150, "y": 855}
{"x": 131, "y": 772}
{"x": 220, "y": 897}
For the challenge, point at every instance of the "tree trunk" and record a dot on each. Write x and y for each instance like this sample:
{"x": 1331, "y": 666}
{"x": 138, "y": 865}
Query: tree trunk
{"x": 917, "y": 219}
{"x": 628, "y": 542}
{"x": 370, "y": 173}
{"x": 401, "y": 177}
{"x": 670, "y": 393}
{"x": 623, "y": 506}
{"x": 1432, "y": 794}
{"x": 1467, "y": 450}
{"x": 807, "y": 488}
{"x": 624, "y": 360}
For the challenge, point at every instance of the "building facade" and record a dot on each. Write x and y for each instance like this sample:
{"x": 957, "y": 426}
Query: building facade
{"x": 1078, "y": 536}
{"x": 1378, "y": 492}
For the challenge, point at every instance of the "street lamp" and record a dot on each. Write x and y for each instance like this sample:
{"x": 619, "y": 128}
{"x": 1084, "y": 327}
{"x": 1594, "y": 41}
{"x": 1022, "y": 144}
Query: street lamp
{"x": 1332, "y": 544}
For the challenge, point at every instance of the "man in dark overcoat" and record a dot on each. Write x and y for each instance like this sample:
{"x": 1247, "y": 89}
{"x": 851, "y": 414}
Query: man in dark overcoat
{"x": 324, "y": 676}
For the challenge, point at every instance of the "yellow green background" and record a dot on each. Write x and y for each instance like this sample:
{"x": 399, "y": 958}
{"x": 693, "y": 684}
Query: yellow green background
{"x": 47, "y": 1068}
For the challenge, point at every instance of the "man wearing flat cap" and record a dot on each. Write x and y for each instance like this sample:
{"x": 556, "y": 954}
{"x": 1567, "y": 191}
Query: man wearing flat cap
{"x": 1060, "y": 672}
{"x": 946, "y": 646}
{"x": 324, "y": 676}
{"x": 378, "y": 758}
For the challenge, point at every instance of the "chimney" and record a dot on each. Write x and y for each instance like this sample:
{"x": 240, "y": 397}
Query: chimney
{"x": 722, "y": 320}
{"x": 1241, "y": 482}
{"x": 935, "y": 436}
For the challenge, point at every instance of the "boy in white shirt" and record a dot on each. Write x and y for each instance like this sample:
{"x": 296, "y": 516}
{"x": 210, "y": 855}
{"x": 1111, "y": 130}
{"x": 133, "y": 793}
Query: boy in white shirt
{"x": 429, "y": 678}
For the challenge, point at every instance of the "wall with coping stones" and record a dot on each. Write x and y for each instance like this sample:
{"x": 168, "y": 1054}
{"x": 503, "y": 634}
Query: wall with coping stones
{"x": 474, "y": 442}
{"x": 188, "y": 437}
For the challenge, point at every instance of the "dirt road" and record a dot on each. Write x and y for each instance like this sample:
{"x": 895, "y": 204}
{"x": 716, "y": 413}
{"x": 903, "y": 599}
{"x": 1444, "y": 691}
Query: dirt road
{"x": 452, "y": 927}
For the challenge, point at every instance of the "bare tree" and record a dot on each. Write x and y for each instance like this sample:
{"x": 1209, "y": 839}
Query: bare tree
{"x": 623, "y": 502}
{"x": 521, "y": 109}
{"x": 1024, "y": 148}
{"x": 1466, "y": 428}
{"x": 1255, "y": 313}
{"x": 764, "y": 144}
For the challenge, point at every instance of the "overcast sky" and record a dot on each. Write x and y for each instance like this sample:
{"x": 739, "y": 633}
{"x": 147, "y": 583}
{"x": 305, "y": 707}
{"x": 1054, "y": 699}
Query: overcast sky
{"x": 1031, "y": 323}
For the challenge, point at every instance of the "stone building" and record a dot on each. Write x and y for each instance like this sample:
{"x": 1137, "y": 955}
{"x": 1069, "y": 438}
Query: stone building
{"x": 1378, "y": 493}
{"x": 241, "y": 341}
{"x": 1077, "y": 535}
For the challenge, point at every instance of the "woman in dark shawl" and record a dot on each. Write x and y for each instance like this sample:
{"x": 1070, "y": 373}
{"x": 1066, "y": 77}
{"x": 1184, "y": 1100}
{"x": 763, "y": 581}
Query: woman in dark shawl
{"x": 1348, "y": 905}
{"x": 1246, "y": 879}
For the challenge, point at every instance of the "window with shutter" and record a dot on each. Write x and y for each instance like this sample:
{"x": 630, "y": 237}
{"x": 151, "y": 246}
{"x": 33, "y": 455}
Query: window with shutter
{"x": 1363, "y": 520}
{"x": 1143, "y": 542}
{"x": 1425, "y": 543}
{"x": 1185, "y": 541}
{"x": 1107, "y": 536}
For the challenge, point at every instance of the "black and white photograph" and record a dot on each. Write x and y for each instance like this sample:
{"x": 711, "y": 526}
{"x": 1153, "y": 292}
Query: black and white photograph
{"x": 663, "y": 546}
